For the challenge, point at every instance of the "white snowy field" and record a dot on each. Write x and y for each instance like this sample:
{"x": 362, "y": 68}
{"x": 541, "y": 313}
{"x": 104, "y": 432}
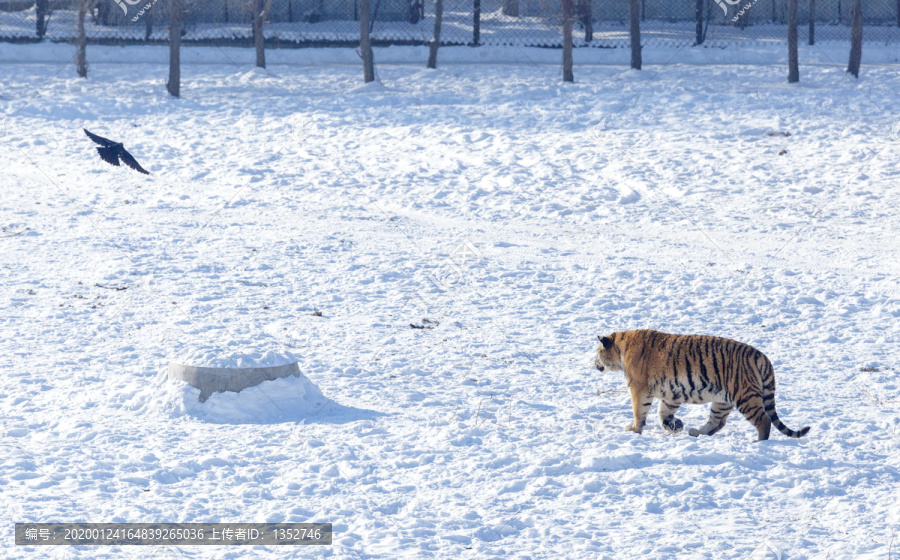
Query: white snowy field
{"x": 515, "y": 219}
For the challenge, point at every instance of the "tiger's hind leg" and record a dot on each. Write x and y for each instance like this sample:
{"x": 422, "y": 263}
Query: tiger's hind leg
{"x": 752, "y": 409}
{"x": 667, "y": 418}
{"x": 718, "y": 414}
{"x": 763, "y": 428}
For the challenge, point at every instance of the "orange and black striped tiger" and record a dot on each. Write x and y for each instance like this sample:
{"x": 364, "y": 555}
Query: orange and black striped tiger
{"x": 694, "y": 369}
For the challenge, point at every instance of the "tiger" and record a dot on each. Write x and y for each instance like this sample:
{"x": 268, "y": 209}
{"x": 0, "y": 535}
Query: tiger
{"x": 695, "y": 369}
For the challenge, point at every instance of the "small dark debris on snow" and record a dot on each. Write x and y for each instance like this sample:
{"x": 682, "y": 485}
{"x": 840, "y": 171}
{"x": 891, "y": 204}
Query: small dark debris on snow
{"x": 7, "y": 232}
{"x": 869, "y": 369}
{"x": 317, "y": 313}
{"x": 782, "y": 152}
{"x": 785, "y": 134}
{"x": 116, "y": 288}
{"x": 426, "y": 324}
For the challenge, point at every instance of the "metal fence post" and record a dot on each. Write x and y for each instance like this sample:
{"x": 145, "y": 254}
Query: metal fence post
{"x": 476, "y": 23}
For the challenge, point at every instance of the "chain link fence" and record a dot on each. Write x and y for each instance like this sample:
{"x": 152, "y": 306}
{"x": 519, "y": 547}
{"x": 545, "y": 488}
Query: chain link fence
{"x": 599, "y": 23}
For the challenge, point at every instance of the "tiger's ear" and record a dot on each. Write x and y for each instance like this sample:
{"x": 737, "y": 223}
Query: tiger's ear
{"x": 606, "y": 342}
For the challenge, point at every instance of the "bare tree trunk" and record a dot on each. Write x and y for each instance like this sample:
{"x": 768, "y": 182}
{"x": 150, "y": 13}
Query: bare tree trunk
{"x": 436, "y": 41}
{"x": 586, "y": 13}
{"x": 738, "y": 20}
{"x": 259, "y": 40}
{"x": 709, "y": 16}
{"x": 103, "y": 13}
{"x": 793, "y": 65}
{"x": 42, "y": 12}
{"x": 476, "y": 22}
{"x": 856, "y": 18}
{"x": 698, "y": 17}
{"x": 148, "y": 21}
{"x": 81, "y": 65}
{"x": 511, "y": 8}
{"x": 812, "y": 22}
{"x": 634, "y": 17}
{"x": 364, "y": 45}
{"x": 175, "y": 24}
{"x": 568, "y": 14}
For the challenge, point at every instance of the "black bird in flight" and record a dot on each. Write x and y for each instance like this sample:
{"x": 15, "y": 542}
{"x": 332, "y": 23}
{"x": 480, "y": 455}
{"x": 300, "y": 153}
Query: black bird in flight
{"x": 111, "y": 152}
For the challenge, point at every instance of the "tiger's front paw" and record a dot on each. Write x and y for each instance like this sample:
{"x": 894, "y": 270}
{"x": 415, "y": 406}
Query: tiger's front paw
{"x": 694, "y": 432}
{"x": 674, "y": 427}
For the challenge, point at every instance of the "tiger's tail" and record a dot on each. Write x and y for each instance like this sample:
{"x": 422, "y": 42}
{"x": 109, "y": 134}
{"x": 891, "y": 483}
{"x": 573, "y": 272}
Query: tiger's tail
{"x": 768, "y": 399}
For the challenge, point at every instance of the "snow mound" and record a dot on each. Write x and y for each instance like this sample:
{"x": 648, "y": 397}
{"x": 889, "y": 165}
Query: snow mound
{"x": 371, "y": 87}
{"x": 634, "y": 75}
{"x": 256, "y": 74}
{"x": 279, "y": 400}
{"x": 214, "y": 357}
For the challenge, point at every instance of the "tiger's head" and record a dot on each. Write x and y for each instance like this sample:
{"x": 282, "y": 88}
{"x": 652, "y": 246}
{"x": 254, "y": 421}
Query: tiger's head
{"x": 608, "y": 355}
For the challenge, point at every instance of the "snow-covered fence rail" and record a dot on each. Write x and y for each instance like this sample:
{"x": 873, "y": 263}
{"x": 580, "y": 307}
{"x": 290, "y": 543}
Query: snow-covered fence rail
{"x": 536, "y": 23}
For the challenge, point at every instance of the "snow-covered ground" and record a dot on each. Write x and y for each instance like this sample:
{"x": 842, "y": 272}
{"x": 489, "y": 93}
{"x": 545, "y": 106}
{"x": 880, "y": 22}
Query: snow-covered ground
{"x": 511, "y": 218}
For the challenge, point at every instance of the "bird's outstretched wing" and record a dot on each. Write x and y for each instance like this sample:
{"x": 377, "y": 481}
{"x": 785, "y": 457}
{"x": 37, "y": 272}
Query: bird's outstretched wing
{"x": 105, "y": 142}
{"x": 131, "y": 162}
{"x": 109, "y": 155}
